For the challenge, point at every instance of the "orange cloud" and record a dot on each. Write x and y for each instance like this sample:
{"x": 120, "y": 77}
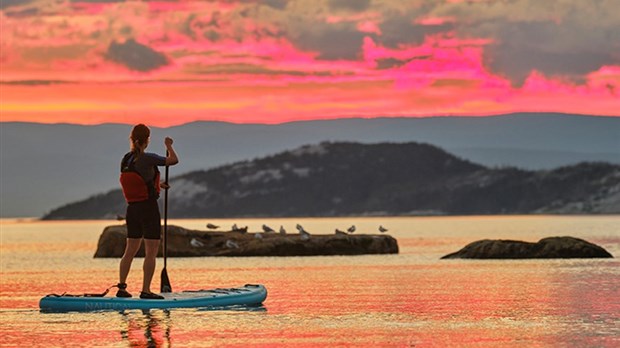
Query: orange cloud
{"x": 264, "y": 61}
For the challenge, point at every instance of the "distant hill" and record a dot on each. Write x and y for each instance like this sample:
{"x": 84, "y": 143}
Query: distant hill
{"x": 45, "y": 166}
{"x": 340, "y": 179}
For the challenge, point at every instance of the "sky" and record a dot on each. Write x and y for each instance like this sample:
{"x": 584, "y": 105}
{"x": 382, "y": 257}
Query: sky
{"x": 167, "y": 63}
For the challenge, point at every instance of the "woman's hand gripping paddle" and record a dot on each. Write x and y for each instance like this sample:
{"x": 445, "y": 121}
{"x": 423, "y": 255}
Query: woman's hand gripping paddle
{"x": 165, "y": 281}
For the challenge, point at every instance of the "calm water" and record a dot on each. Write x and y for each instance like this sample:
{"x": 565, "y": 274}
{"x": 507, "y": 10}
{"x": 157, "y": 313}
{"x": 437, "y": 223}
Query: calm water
{"x": 412, "y": 299}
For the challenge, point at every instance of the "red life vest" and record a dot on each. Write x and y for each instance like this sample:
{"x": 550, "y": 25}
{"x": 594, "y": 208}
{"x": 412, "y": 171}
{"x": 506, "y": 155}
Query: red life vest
{"x": 135, "y": 187}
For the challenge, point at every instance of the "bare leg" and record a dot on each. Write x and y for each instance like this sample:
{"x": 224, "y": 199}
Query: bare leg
{"x": 131, "y": 248}
{"x": 151, "y": 246}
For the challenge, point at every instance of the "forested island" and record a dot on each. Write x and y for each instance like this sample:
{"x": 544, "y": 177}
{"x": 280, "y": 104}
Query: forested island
{"x": 385, "y": 179}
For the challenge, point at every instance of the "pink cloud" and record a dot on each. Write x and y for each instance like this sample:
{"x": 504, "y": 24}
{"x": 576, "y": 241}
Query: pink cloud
{"x": 369, "y": 26}
{"x": 84, "y": 8}
{"x": 252, "y": 70}
{"x": 435, "y": 20}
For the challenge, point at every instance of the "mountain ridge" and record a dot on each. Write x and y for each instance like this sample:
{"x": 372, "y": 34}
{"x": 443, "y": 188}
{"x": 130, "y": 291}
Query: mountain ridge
{"x": 44, "y": 166}
{"x": 502, "y": 115}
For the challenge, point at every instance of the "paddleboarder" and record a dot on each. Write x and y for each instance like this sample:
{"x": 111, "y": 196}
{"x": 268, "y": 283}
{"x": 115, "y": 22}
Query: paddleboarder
{"x": 141, "y": 185}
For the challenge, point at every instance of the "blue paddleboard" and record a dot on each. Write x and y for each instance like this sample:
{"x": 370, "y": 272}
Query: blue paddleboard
{"x": 247, "y": 295}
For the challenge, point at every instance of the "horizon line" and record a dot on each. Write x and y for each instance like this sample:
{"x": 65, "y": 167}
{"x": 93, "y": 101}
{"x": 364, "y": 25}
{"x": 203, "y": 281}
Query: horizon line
{"x": 383, "y": 117}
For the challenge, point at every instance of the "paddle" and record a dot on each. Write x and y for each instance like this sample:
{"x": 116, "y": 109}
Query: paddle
{"x": 165, "y": 281}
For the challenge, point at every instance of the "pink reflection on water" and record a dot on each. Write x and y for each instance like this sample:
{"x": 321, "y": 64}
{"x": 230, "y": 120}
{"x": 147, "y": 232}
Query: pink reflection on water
{"x": 146, "y": 328}
{"x": 374, "y": 301}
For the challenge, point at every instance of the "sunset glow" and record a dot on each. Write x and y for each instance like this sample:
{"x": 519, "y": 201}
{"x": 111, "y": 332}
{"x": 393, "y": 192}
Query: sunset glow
{"x": 168, "y": 63}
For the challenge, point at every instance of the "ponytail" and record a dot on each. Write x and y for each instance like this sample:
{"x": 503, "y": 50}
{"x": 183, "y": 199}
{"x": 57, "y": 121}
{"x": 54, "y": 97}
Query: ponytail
{"x": 139, "y": 136}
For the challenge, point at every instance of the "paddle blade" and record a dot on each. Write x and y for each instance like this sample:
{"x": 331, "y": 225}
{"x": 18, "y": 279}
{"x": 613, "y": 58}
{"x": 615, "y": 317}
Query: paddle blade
{"x": 165, "y": 281}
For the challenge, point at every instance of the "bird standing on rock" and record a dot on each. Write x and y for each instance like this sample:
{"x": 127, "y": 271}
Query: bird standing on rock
{"x": 351, "y": 229}
{"x": 212, "y": 226}
{"x": 382, "y": 229}
{"x": 239, "y": 229}
{"x": 268, "y": 229}
{"x": 282, "y": 230}
{"x": 305, "y": 235}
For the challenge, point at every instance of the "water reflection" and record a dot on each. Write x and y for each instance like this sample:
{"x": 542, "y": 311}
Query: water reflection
{"x": 153, "y": 328}
{"x": 236, "y": 308}
{"x": 403, "y": 300}
{"x": 146, "y": 328}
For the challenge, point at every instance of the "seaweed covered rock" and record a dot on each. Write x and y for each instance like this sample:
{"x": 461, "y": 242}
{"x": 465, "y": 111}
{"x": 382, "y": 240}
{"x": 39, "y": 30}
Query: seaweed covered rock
{"x": 188, "y": 243}
{"x": 546, "y": 248}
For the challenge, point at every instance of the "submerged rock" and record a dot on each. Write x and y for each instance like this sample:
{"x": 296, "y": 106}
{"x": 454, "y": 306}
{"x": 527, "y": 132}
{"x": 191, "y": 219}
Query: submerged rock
{"x": 187, "y": 243}
{"x": 547, "y": 248}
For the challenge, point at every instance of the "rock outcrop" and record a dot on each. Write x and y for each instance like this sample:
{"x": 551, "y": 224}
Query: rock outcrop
{"x": 188, "y": 243}
{"x": 547, "y": 248}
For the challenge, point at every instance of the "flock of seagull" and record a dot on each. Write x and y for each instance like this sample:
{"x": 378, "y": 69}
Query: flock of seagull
{"x": 282, "y": 231}
{"x": 304, "y": 235}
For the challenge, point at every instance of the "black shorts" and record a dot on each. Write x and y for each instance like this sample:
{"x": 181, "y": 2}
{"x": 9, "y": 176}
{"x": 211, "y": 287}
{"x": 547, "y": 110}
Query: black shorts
{"x": 143, "y": 220}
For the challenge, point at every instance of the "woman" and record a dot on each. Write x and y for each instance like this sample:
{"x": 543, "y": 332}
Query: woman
{"x": 140, "y": 183}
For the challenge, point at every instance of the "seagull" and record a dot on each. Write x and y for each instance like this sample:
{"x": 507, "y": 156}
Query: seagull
{"x": 305, "y": 235}
{"x": 239, "y": 229}
{"x": 382, "y": 229}
{"x": 267, "y": 229}
{"x": 231, "y": 244}
{"x": 340, "y": 232}
{"x": 282, "y": 230}
{"x": 212, "y": 226}
{"x": 258, "y": 235}
{"x": 301, "y": 230}
{"x": 196, "y": 243}
{"x": 351, "y": 229}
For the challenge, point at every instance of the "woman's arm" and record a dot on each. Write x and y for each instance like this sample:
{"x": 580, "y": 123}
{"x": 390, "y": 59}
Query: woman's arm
{"x": 171, "y": 158}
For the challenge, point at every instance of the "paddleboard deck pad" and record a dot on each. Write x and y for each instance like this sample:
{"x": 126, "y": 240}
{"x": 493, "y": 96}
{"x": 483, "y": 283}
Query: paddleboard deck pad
{"x": 247, "y": 295}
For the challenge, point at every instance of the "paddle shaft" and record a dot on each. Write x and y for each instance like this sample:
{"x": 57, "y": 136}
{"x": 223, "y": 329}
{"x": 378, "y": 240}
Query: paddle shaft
{"x": 166, "y": 219}
{"x": 165, "y": 281}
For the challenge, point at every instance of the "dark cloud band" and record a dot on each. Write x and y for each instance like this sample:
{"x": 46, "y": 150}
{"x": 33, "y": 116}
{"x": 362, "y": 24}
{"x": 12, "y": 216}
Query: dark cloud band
{"x": 136, "y": 56}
